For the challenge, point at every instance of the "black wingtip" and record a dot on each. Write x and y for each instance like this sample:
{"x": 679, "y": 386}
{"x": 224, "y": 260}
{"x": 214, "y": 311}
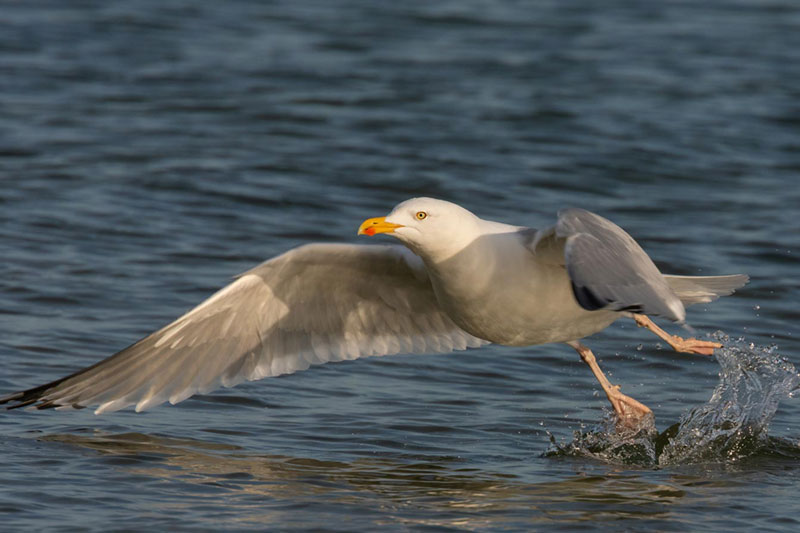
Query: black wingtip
{"x": 20, "y": 404}
{"x": 20, "y": 399}
{"x": 588, "y": 299}
{"x": 32, "y": 396}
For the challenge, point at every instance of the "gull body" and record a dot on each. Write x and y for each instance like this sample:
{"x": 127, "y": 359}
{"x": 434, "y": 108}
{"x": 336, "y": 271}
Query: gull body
{"x": 460, "y": 282}
{"x": 493, "y": 286}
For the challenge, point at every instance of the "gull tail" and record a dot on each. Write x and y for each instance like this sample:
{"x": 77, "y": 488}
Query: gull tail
{"x": 700, "y": 289}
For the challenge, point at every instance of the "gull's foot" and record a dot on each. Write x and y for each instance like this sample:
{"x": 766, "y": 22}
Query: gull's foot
{"x": 694, "y": 346}
{"x": 678, "y": 344}
{"x": 630, "y": 412}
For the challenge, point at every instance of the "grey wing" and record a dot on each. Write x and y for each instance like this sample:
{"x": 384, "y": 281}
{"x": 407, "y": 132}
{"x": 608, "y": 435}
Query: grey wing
{"x": 314, "y": 304}
{"x": 607, "y": 268}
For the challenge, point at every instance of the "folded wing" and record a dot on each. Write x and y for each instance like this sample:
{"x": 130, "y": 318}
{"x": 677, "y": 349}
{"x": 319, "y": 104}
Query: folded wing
{"x": 314, "y": 304}
{"x": 607, "y": 268}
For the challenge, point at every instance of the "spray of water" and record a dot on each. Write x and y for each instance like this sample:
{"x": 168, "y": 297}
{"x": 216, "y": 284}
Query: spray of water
{"x": 732, "y": 425}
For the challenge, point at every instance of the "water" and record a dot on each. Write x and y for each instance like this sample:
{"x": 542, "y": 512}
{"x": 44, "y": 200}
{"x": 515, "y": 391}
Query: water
{"x": 151, "y": 150}
{"x": 732, "y": 425}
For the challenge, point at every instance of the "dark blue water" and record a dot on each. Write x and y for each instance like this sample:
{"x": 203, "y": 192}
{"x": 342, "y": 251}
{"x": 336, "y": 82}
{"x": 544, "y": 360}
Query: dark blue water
{"x": 151, "y": 150}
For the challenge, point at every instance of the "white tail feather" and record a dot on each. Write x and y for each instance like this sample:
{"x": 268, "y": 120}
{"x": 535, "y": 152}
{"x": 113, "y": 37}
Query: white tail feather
{"x": 700, "y": 289}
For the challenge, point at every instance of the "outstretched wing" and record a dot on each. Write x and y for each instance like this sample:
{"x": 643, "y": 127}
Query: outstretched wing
{"x": 311, "y": 305}
{"x": 608, "y": 269}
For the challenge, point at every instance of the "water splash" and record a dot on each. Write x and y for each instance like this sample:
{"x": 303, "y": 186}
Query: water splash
{"x": 735, "y": 421}
{"x": 732, "y": 425}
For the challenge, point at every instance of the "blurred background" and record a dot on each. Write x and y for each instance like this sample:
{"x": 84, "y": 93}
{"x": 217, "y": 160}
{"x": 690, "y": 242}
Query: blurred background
{"x": 150, "y": 150}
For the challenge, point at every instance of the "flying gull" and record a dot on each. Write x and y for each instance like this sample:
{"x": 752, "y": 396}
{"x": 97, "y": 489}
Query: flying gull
{"x": 459, "y": 282}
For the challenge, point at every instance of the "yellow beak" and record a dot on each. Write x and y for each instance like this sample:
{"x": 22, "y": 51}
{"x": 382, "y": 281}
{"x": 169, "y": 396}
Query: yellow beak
{"x": 371, "y": 226}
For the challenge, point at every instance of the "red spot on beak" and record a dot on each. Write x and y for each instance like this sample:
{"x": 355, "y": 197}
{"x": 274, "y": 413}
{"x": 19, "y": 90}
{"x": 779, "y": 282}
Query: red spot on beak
{"x": 370, "y": 231}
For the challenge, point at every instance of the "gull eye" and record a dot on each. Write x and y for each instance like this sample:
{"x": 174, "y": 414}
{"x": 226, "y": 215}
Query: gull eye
{"x": 421, "y": 215}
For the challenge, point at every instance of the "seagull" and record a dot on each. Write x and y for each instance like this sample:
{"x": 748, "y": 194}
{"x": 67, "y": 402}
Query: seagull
{"x": 455, "y": 282}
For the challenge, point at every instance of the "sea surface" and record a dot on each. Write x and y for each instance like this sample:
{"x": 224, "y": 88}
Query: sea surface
{"x": 151, "y": 150}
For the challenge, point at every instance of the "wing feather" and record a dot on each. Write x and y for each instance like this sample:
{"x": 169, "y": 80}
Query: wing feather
{"x": 607, "y": 267}
{"x": 314, "y": 304}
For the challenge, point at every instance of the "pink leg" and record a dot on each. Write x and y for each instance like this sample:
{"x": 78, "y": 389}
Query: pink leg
{"x": 678, "y": 344}
{"x": 629, "y": 411}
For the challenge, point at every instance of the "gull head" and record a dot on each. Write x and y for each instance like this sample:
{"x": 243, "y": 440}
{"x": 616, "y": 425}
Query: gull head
{"x": 433, "y": 229}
